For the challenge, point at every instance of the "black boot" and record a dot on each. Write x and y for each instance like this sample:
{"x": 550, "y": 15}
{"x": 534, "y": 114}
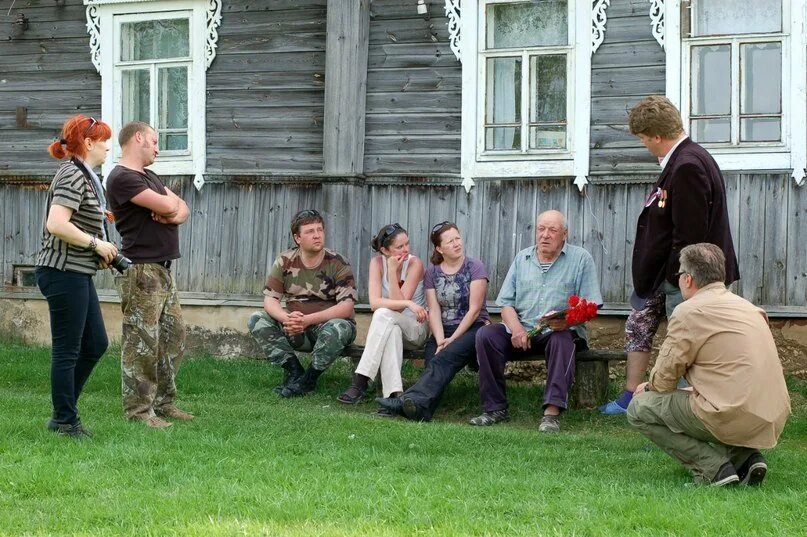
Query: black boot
{"x": 302, "y": 385}
{"x": 292, "y": 371}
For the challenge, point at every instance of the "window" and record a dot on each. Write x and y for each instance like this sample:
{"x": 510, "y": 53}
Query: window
{"x": 152, "y": 65}
{"x": 736, "y": 89}
{"x": 526, "y": 89}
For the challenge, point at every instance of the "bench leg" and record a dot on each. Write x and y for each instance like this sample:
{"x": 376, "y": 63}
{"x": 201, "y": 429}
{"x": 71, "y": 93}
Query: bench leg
{"x": 590, "y": 387}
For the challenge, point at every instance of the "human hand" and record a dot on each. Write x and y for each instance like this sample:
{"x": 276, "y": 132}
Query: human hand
{"x": 520, "y": 340}
{"x": 421, "y": 314}
{"x": 557, "y": 325}
{"x": 445, "y": 343}
{"x": 640, "y": 389}
{"x": 394, "y": 263}
{"x": 294, "y": 323}
{"x": 106, "y": 251}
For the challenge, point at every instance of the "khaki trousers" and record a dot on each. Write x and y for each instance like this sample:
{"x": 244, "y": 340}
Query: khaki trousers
{"x": 668, "y": 420}
{"x": 389, "y": 333}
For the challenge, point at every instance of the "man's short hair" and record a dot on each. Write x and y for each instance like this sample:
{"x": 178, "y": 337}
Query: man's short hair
{"x": 130, "y": 129}
{"x": 705, "y": 262}
{"x": 306, "y": 216}
{"x": 655, "y": 116}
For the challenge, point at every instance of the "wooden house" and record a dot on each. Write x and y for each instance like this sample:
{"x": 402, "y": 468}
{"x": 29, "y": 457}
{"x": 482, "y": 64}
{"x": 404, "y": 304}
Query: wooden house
{"x": 413, "y": 111}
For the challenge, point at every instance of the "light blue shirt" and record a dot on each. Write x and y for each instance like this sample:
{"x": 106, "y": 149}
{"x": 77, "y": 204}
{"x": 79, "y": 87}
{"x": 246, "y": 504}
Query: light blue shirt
{"x": 533, "y": 293}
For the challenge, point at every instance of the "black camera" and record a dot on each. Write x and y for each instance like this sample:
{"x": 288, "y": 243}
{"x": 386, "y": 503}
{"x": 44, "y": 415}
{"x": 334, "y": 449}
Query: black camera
{"x": 121, "y": 263}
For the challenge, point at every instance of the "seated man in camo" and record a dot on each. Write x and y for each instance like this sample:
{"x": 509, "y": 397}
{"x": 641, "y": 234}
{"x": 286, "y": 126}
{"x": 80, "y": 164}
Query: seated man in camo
{"x": 318, "y": 287}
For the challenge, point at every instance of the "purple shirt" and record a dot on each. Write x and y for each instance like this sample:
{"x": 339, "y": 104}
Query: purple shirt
{"x": 454, "y": 290}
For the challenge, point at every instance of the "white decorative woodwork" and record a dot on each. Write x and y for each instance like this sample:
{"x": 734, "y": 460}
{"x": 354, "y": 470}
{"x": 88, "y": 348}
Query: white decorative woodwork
{"x": 598, "y": 21}
{"x": 657, "y": 20}
{"x": 453, "y": 14}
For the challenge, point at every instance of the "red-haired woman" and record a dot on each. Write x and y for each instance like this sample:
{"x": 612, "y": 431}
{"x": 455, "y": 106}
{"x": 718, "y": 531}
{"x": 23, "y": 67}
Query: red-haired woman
{"x": 74, "y": 246}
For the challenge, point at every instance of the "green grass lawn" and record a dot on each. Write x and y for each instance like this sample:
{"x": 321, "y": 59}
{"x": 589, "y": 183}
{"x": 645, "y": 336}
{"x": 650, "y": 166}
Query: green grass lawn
{"x": 253, "y": 464}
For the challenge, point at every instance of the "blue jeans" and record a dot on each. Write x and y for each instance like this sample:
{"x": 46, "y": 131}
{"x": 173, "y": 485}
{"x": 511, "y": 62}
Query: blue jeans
{"x": 77, "y": 333}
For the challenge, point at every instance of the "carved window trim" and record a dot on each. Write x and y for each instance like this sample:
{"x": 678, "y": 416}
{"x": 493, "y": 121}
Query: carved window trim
{"x": 206, "y": 16}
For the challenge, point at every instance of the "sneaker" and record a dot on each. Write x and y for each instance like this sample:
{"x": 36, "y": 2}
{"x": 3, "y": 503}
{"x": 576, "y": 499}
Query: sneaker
{"x": 612, "y": 408}
{"x": 171, "y": 411}
{"x": 549, "y": 424}
{"x": 753, "y": 470}
{"x": 490, "y": 418}
{"x": 76, "y": 431}
{"x": 726, "y": 475}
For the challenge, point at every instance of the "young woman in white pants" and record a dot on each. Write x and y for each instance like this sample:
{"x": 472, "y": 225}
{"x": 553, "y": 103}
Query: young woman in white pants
{"x": 399, "y": 316}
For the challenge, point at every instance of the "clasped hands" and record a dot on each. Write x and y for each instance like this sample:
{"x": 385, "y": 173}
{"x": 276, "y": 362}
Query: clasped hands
{"x": 296, "y": 323}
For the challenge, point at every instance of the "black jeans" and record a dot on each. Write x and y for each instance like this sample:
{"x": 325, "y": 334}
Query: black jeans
{"x": 440, "y": 370}
{"x": 78, "y": 335}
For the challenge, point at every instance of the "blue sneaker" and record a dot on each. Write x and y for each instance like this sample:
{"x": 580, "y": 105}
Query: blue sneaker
{"x": 612, "y": 408}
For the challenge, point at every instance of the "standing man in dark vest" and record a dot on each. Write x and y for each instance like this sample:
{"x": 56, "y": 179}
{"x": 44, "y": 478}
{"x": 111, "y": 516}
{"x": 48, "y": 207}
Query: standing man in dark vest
{"x": 687, "y": 205}
{"x": 147, "y": 216}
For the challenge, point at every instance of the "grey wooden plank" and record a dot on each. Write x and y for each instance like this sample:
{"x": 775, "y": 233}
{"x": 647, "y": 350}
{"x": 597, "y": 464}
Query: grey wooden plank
{"x": 268, "y": 120}
{"x": 47, "y": 80}
{"x": 411, "y": 30}
{"x": 752, "y": 214}
{"x": 625, "y": 160}
{"x": 345, "y": 86}
{"x": 267, "y": 80}
{"x": 402, "y": 9}
{"x": 796, "y": 246}
{"x": 427, "y": 79}
{"x": 259, "y": 99}
{"x": 733, "y": 182}
{"x": 405, "y": 164}
{"x": 270, "y": 62}
{"x": 637, "y": 53}
{"x": 506, "y": 232}
{"x": 228, "y": 161}
{"x": 636, "y": 194}
{"x": 401, "y": 103}
{"x": 410, "y": 144}
{"x": 627, "y": 29}
{"x": 412, "y": 124}
{"x": 393, "y": 55}
{"x": 629, "y": 80}
{"x": 417, "y": 215}
{"x": 775, "y": 224}
{"x": 613, "y": 226}
{"x": 248, "y": 7}
{"x": 526, "y": 211}
{"x": 613, "y": 137}
{"x": 442, "y": 207}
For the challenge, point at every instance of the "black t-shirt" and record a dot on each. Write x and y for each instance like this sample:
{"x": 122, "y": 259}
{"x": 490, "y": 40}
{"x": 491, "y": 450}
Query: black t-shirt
{"x": 144, "y": 240}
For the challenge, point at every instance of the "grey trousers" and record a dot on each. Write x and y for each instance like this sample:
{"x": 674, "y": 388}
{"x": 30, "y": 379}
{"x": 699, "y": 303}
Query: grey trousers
{"x": 668, "y": 420}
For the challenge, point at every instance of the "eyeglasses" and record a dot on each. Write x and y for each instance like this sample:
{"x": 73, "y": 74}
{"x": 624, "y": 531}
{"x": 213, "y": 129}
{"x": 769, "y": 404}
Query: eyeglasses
{"x": 680, "y": 273}
{"x": 390, "y": 230}
{"x": 441, "y": 225}
{"x": 93, "y": 121}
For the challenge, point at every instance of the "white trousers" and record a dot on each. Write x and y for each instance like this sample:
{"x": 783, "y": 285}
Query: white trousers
{"x": 390, "y": 332}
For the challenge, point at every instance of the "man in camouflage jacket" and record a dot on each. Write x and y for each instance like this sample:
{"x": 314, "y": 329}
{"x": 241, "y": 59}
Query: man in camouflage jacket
{"x": 319, "y": 290}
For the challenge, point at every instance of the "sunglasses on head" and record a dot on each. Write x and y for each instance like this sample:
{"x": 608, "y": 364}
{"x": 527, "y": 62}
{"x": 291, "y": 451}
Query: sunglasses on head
{"x": 93, "y": 121}
{"x": 390, "y": 230}
{"x": 441, "y": 225}
{"x": 306, "y": 213}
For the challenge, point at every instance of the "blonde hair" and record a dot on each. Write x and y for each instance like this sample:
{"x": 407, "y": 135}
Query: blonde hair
{"x": 655, "y": 116}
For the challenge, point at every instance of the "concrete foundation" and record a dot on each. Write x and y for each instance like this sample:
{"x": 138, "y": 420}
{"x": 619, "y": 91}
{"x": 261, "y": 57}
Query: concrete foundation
{"x": 220, "y": 330}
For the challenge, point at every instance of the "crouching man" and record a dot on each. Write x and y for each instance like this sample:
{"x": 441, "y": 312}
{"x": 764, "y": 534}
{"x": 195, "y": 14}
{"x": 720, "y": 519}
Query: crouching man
{"x": 738, "y": 403}
{"x": 318, "y": 287}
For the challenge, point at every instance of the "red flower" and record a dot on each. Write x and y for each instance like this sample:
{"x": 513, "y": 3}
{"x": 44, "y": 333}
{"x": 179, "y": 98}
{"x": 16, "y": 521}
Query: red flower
{"x": 574, "y": 300}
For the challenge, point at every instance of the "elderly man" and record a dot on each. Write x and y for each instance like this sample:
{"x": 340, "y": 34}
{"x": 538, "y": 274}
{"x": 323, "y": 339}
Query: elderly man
{"x": 687, "y": 205}
{"x": 318, "y": 288}
{"x": 540, "y": 280}
{"x": 738, "y": 403}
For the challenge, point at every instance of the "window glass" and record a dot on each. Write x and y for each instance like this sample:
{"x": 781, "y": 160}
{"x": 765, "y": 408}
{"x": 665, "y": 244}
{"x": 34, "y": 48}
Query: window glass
{"x": 711, "y": 80}
{"x": 136, "y": 95}
{"x": 503, "y": 103}
{"x": 548, "y": 101}
{"x": 155, "y": 39}
{"x": 723, "y": 17}
{"x": 527, "y": 24}
{"x": 761, "y": 72}
{"x": 173, "y": 107}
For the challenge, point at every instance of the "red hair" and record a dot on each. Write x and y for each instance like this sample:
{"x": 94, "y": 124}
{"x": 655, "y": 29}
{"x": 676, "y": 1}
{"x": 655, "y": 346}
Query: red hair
{"x": 74, "y": 131}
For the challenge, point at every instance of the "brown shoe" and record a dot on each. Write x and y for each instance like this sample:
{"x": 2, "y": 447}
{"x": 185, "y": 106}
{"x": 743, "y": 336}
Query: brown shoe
{"x": 155, "y": 422}
{"x": 173, "y": 412}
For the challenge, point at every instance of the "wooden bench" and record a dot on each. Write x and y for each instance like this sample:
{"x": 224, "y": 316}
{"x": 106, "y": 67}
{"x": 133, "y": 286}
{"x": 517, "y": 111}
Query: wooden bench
{"x": 590, "y": 387}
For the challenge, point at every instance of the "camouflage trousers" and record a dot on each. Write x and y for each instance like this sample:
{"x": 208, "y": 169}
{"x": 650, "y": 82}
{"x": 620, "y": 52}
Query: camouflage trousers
{"x": 325, "y": 341}
{"x": 153, "y": 339}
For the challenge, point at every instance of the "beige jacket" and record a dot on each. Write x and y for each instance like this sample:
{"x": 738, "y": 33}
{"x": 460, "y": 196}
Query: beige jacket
{"x": 722, "y": 345}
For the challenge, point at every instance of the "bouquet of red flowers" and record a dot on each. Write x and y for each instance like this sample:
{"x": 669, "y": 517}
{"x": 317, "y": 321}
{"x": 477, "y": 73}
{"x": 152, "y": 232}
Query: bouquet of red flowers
{"x": 579, "y": 311}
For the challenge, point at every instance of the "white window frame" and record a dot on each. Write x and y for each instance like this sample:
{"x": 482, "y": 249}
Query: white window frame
{"x": 570, "y": 162}
{"x": 789, "y": 154}
{"x": 110, "y": 14}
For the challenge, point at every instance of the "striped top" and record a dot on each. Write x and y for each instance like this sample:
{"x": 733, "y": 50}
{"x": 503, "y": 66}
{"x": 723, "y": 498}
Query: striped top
{"x": 71, "y": 189}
